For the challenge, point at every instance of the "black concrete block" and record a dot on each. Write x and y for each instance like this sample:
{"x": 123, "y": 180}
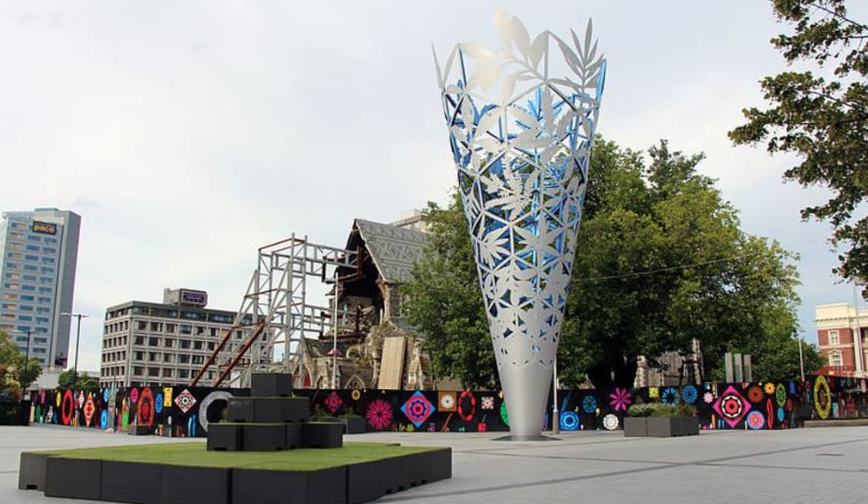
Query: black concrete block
{"x": 635, "y": 427}
{"x": 323, "y": 435}
{"x": 365, "y": 482}
{"x": 196, "y": 485}
{"x": 224, "y": 437}
{"x": 130, "y": 482}
{"x": 263, "y": 437}
{"x": 281, "y": 409}
{"x": 72, "y": 478}
{"x": 240, "y": 409}
{"x": 353, "y": 425}
{"x": 294, "y": 433}
{"x": 270, "y": 385}
{"x": 139, "y": 430}
{"x": 396, "y": 474}
{"x": 31, "y": 471}
{"x": 439, "y": 464}
{"x": 253, "y": 486}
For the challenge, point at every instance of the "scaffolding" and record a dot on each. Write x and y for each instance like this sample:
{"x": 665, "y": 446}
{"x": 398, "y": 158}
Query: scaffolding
{"x": 274, "y": 312}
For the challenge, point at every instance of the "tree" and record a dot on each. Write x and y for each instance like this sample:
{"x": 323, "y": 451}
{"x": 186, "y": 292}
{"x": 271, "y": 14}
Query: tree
{"x": 15, "y": 364}
{"x": 822, "y": 118}
{"x": 444, "y": 301}
{"x": 65, "y": 380}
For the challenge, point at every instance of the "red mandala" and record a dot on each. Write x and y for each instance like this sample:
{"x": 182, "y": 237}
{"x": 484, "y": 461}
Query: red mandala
{"x": 755, "y": 394}
{"x": 88, "y": 410}
{"x": 67, "y": 407}
{"x": 731, "y": 406}
{"x": 466, "y": 406}
{"x": 333, "y": 402}
{"x": 145, "y": 415}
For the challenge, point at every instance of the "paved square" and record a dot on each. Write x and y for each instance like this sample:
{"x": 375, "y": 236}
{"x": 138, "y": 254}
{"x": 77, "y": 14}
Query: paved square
{"x": 804, "y": 465}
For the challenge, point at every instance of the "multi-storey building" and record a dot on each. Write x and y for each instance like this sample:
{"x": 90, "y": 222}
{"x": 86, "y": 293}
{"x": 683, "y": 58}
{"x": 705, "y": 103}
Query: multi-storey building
{"x": 165, "y": 343}
{"x": 842, "y": 334}
{"x": 38, "y": 255}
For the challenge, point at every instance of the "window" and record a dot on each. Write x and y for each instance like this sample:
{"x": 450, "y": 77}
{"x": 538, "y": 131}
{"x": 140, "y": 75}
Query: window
{"x": 834, "y": 337}
{"x": 141, "y": 325}
{"x": 170, "y": 343}
{"x": 184, "y": 359}
{"x": 140, "y": 340}
{"x": 49, "y": 250}
{"x": 33, "y": 248}
{"x": 34, "y": 238}
{"x": 185, "y": 343}
{"x": 153, "y": 341}
{"x": 197, "y": 345}
{"x": 835, "y": 359}
{"x": 186, "y": 329}
{"x": 152, "y": 371}
{"x": 183, "y": 373}
{"x": 170, "y": 328}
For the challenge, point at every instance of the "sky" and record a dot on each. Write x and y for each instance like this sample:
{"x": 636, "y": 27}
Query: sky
{"x": 189, "y": 133}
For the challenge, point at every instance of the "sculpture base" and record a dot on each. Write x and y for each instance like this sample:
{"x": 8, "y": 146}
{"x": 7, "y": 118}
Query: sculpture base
{"x": 527, "y": 438}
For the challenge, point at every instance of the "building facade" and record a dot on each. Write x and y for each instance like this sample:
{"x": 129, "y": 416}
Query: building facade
{"x": 842, "y": 335}
{"x": 39, "y": 252}
{"x": 166, "y": 343}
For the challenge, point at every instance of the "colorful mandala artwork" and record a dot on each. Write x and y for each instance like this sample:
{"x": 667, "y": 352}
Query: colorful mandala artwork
{"x": 417, "y": 409}
{"x": 589, "y": 404}
{"x": 770, "y": 413}
{"x": 792, "y": 388}
{"x": 504, "y": 415}
{"x": 610, "y": 422}
{"x": 185, "y": 401}
{"x": 356, "y": 394}
{"x": 789, "y": 405}
{"x": 134, "y": 395}
{"x": 466, "y": 406}
{"x": 621, "y": 399}
{"x": 105, "y": 395}
{"x": 89, "y": 409}
{"x": 670, "y": 396}
{"x": 379, "y": 414}
{"x": 822, "y": 397}
{"x": 755, "y": 394}
{"x": 708, "y": 397}
{"x": 731, "y": 406}
{"x": 103, "y": 420}
{"x": 653, "y": 392}
{"x": 57, "y": 398}
{"x": 756, "y": 420}
{"x": 781, "y": 394}
{"x": 158, "y": 403}
{"x": 487, "y": 403}
{"x": 145, "y": 410}
{"x": 205, "y": 407}
{"x": 569, "y": 421}
{"x": 167, "y": 397}
{"x": 781, "y": 414}
{"x": 333, "y": 402}
{"x": 689, "y": 394}
{"x": 770, "y": 388}
{"x": 447, "y": 402}
{"x": 68, "y": 408}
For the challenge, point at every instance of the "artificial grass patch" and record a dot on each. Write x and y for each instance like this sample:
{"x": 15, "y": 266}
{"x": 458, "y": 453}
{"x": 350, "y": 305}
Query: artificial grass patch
{"x": 195, "y": 455}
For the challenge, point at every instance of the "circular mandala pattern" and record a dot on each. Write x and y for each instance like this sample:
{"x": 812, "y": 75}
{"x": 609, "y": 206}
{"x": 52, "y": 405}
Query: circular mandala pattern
{"x": 356, "y": 394}
{"x": 756, "y": 420}
{"x": 708, "y": 397}
{"x": 569, "y": 421}
{"x": 466, "y": 406}
{"x": 89, "y": 410}
{"x": 781, "y": 414}
{"x": 589, "y": 404}
{"x": 447, "y": 402}
{"x": 781, "y": 394}
{"x": 68, "y": 407}
{"x": 822, "y": 397}
{"x": 103, "y": 419}
{"x": 487, "y": 403}
{"x": 670, "y": 396}
{"x": 379, "y": 414}
{"x": 158, "y": 403}
{"x": 755, "y": 394}
{"x": 417, "y": 409}
{"x": 653, "y": 392}
{"x": 333, "y": 402}
{"x": 610, "y": 422}
{"x": 504, "y": 415}
{"x": 770, "y": 388}
{"x": 105, "y": 395}
{"x": 134, "y": 395}
{"x": 217, "y": 395}
{"x": 689, "y": 394}
{"x": 145, "y": 410}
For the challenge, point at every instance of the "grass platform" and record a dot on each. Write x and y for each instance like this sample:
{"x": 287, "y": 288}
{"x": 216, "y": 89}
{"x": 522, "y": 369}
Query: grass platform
{"x": 174, "y": 473}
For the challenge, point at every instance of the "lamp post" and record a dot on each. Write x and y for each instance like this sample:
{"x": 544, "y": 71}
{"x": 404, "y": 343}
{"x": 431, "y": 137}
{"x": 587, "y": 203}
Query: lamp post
{"x": 79, "y": 316}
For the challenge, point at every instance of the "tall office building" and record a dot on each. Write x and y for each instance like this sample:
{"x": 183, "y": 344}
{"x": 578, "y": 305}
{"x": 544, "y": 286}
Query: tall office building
{"x": 39, "y": 251}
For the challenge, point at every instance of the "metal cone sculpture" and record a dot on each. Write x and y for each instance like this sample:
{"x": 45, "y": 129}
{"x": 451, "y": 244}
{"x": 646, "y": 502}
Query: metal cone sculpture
{"x": 521, "y": 123}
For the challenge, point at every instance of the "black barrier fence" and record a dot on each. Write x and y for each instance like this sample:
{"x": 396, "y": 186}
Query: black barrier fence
{"x": 180, "y": 411}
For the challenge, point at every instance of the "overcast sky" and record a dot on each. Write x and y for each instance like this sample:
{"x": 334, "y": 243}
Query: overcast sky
{"x": 187, "y": 134}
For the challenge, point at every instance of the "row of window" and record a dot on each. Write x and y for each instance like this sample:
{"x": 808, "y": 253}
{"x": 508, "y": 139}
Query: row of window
{"x": 32, "y": 248}
{"x": 47, "y": 270}
{"x": 25, "y": 307}
{"x": 168, "y": 328}
{"x": 11, "y": 296}
{"x": 9, "y": 317}
{"x": 27, "y": 287}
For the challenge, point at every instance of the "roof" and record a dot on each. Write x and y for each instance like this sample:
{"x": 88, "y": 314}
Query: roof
{"x": 393, "y": 249}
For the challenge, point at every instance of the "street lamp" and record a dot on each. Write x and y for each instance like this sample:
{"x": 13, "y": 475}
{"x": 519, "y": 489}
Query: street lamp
{"x": 79, "y": 316}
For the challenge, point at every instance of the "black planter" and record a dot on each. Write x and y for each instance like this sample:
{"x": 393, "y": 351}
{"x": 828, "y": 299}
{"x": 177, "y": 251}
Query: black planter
{"x": 224, "y": 437}
{"x": 130, "y": 482}
{"x": 240, "y": 409}
{"x": 635, "y": 427}
{"x": 198, "y": 485}
{"x": 139, "y": 430}
{"x": 328, "y": 486}
{"x": 323, "y": 435}
{"x": 294, "y": 433}
{"x": 661, "y": 426}
{"x": 353, "y": 425}
{"x": 263, "y": 437}
{"x": 270, "y": 385}
{"x": 31, "y": 471}
{"x": 73, "y": 478}
{"x": 281, "y": 409}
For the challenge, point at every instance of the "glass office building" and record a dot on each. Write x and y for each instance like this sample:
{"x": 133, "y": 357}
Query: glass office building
{"x": 39, "y": 251}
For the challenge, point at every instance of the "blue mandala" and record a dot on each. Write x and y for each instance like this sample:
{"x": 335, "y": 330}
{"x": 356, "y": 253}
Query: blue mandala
{"x": 569, "y": 421}
{"x": 105, "y": 395}
{"x": 780, "y": 415}
{"x": 689, "y": 394}
{"x": 670, "y": 396}
{"x": 589, "y": 404}
{"x": 103, "y": 419}
{"x": 792, "y": 388}
{"x": 158, "y": 403}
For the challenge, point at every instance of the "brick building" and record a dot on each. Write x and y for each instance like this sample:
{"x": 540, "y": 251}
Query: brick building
{"x": 837, "y": 327}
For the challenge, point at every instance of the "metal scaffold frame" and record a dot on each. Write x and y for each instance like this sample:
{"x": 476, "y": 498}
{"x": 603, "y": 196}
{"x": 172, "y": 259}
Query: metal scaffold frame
{"x": 275, "y": 312}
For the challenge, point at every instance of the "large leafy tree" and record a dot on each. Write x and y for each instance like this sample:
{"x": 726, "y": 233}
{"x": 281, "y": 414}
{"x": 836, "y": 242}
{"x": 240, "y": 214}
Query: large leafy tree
{"x": 66, "y": 379}
{"x": 17, "y": 372}
{"x": 821, "y": 115}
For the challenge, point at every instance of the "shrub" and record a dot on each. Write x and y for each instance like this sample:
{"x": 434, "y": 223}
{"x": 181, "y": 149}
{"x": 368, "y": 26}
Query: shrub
{"x": 653, "y": 410}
